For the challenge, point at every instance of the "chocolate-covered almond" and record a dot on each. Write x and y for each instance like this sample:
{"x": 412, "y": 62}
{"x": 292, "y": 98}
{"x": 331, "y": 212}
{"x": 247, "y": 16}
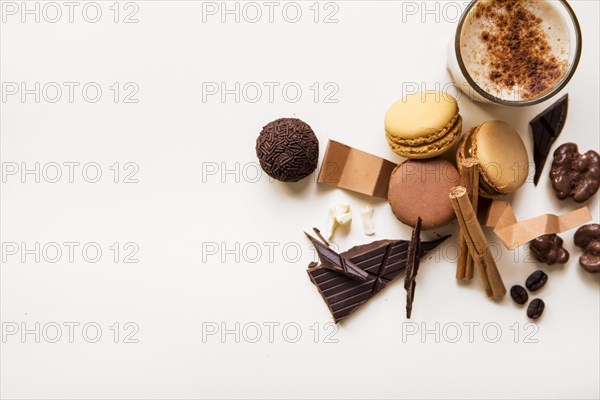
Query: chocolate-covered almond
{"x": 575, "y": 175}
{"x": 549, "y": 249}
{"x": 588, "y": 238}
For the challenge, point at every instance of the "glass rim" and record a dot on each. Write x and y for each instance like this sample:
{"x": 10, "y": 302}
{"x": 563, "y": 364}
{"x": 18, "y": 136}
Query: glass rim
{"x": 520, "y": 103}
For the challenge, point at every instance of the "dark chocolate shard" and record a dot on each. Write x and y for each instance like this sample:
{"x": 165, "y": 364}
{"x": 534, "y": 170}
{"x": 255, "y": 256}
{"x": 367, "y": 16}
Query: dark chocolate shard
{"x": 546, "y": 127}
{"x": 383, "y": 261}
{"x": 332, "y": 260}
{"x": 323, "y": 240}
{"x": 412, "y": 266}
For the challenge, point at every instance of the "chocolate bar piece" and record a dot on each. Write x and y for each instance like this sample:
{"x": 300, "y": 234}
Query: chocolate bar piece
{"x": 546, "y": 127}
{"x": 332, "y": 260}
{"x": 412, "y": 266}
{"x": 383, "y": 260}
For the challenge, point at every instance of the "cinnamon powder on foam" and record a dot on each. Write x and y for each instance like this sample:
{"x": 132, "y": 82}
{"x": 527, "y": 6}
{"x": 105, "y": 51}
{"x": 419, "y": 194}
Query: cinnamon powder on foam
{"x": 518, "y": 52}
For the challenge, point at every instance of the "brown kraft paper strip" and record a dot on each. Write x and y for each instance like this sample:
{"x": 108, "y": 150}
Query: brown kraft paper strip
{"x": 356, "y": 170}
{"x": 514, "y": 234}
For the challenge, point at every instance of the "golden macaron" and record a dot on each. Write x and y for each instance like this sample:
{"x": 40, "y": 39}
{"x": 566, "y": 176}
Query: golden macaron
{"x": 423, "y": 125}
{"x": 503, "y": 159}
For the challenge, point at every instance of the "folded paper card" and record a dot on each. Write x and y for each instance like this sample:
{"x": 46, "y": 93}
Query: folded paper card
{"x": 514, "y": 234}
{"x": 352, "y": 169}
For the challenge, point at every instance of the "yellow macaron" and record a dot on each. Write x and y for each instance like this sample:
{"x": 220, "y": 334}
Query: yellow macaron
{"x": 423, "y": 125}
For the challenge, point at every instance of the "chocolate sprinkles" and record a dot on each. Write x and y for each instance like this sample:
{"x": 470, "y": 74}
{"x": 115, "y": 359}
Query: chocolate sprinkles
{"x": 287, "y": 149}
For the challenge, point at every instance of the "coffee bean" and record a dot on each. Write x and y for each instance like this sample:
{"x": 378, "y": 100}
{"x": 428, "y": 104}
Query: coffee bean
{"x": 536, "y": 308}
{"x": 536, "y": 280}
{"x": 519, "y": 294}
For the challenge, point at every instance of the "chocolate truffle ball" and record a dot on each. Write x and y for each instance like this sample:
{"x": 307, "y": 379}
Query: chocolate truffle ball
{"x": 287, "y": 149}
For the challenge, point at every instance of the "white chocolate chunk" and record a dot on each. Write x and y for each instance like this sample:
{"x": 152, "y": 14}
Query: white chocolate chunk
{"x": 344, "y": 219}
{"x": 338, "y": 215}
{"x": 342, "y": 209}
{"x": 368, "y": 221}
{"x": 331, "y": 224}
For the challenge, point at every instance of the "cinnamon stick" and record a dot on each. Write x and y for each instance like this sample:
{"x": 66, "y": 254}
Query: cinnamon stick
{"x": 477, "y": 243}
{"x": 469, "y": 178}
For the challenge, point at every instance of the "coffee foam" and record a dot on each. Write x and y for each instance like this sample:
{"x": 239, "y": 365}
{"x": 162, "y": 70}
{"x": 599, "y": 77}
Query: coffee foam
{"x": 475, "y": 54}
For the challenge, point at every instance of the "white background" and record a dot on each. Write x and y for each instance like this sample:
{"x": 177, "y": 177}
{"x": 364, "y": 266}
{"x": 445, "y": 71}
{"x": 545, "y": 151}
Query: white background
{"x": 174, "y": 212}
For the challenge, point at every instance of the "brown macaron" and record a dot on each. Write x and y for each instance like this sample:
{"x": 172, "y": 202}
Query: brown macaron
{"x": 503, "y": 160}
{"x": 419, "y": 188}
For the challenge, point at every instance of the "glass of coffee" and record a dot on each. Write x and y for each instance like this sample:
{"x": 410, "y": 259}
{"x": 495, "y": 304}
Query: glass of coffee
{"x": 515, "y": 52}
